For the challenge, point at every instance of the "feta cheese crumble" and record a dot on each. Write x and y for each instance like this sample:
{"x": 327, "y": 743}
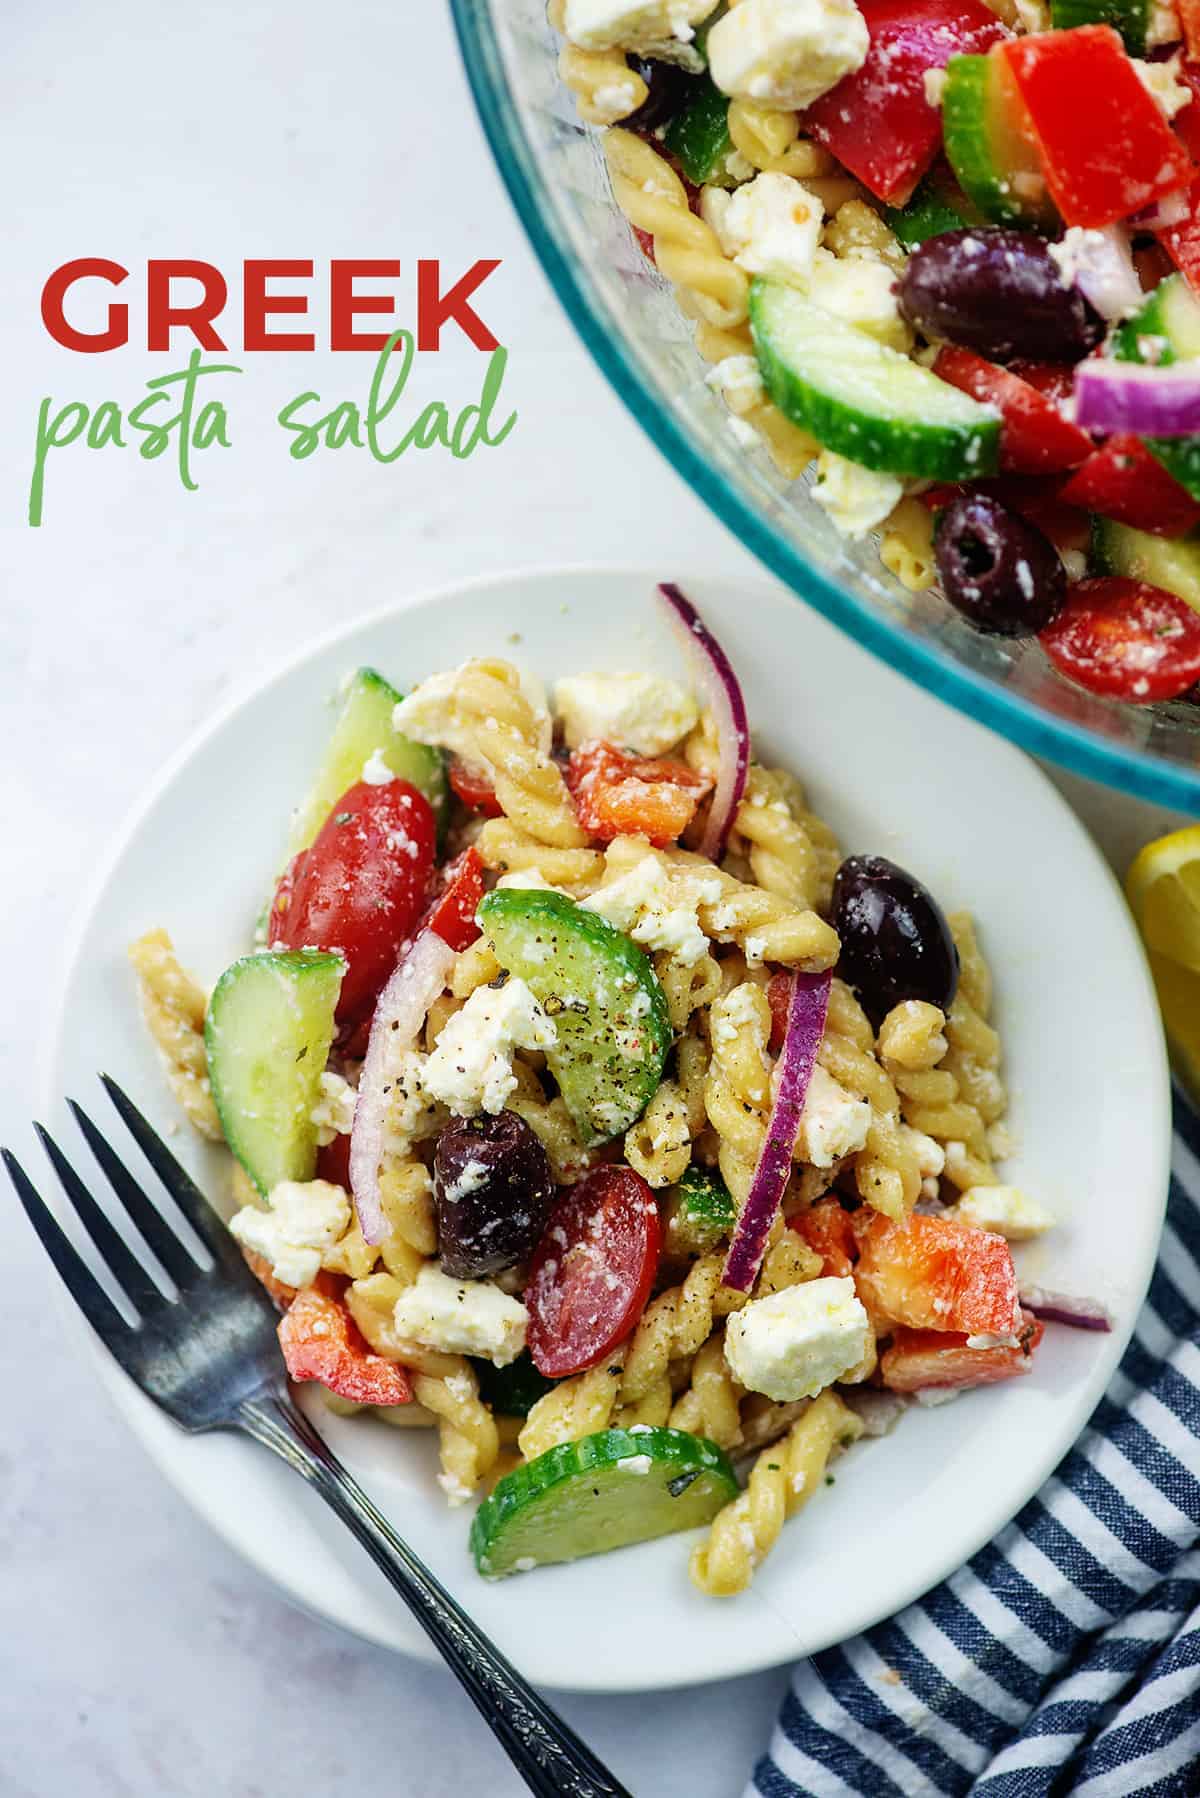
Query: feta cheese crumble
{"x": 1161, "y": 82}
{"x": 633, "y": 24}
{"x": 644, "y": 905}
{"x": 739, "y": 382}
{"x": 305, "y": 1218}
{"x": 470, "y": 1068}
{"x": 646, "y": 713}
{"x": 860, "y": 290}
{"x": 786, "y": 53}
{"x": 833, "y": 1122}
{"x": 1006, "y": 1210}
{"x": 333, "y": 1113}
{"x": 794, "y": 1343}
{"x": 856, "y": 499}
{"x": 430, "y": 715}
{"x": 376, "y": 772}
{"x": 461, "y": 1317}
{"x": 772, "y": 227}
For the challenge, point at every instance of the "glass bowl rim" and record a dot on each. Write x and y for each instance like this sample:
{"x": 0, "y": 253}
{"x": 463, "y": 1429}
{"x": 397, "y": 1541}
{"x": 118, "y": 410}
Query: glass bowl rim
{"x": 1011, "y": 715}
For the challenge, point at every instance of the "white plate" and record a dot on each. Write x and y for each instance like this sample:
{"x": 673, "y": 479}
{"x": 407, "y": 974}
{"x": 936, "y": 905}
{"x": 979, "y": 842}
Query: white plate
{"x": 896, "y": 772}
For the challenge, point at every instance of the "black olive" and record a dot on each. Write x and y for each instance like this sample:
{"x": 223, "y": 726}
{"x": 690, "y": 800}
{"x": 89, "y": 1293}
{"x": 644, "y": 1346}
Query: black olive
{"x": 998, "y": 570}
{"x": 896, "y": 943}
{"x": 492, "y": 1188}
{"x": 999, "y": 293}
{"x": 668, "y": 87}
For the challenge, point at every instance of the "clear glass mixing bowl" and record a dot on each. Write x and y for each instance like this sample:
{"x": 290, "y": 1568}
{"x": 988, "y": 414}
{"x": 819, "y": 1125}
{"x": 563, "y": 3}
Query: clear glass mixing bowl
{"x": 627, "y": 316}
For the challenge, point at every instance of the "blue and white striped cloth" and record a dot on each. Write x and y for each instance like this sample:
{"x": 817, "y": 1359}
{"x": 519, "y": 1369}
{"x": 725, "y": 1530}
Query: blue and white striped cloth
{"x": 1064, "y": 1658}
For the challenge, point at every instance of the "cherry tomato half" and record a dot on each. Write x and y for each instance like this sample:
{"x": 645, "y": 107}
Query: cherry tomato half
{"x": 1125, "y": 638}
{"x": 360, "y": 888}
{"x": 474, "y": 789}
{"x": 321, "y": 1341}
{"x": 592, "y": 1272}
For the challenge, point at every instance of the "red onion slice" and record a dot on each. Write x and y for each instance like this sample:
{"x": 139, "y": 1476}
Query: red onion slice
{"x": 1062, "y": 1308}
{"x": 1127, "y": 396}
{"x": 418, "y": 978}
{"x": 719, "y": 683}
{"x": 1161, "y": 214}
{"x": 807, "y": 1006}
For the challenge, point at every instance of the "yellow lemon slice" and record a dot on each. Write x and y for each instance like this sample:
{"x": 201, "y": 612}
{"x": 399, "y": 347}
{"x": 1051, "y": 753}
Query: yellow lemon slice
{"x": 1163, "y": 887}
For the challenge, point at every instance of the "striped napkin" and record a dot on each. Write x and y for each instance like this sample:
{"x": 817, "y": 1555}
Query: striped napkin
{"x": 1064, "y": 1658}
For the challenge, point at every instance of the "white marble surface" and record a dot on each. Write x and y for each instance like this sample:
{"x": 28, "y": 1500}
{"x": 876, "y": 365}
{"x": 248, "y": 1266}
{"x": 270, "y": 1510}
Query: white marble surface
{"x": 139, "y": 1658}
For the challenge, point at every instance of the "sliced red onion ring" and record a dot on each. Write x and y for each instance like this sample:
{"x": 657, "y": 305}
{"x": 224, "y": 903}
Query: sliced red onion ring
{"x": 878, "y": 1410}
{"x": 1126, "y": 396}
{"x": 807, "y": 1006}
{"x": 419, "y": 976}
{"x": 720, "y": 686}
{"x": 1100, "y": 264}
{"x": 1063, "y": 1308}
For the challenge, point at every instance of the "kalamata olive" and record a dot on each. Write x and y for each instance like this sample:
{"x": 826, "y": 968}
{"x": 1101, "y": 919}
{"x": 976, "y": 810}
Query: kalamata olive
{"x": 667, "y": 86}
{"x": 999, "y": 293}
{"x": 492, "y": 1188}
{"x": 896, "y": 943}
{"x": 997, "y": 569}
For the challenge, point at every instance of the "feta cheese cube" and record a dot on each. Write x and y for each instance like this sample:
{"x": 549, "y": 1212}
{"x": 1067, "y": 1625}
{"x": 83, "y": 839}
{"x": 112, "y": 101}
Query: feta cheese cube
{"x": 644, "y": 905}
{"x": 470, "y": 1068}
{"x": 738, "y": 381}
{"x": 860, "y": 290}
{"x": 633, "y": 24}
{"x": 1161, "y": 82}
{"x": 773, "y": 226}
{"x": 333, "y": 1114}
{"x": 1006, "y": 1210}
{"x": 304, "y": 1220}
{"x": 461, "y": 1317}
{"x": 794, "y": 1343}
{"x": 786, "y": 53}
{"x": 856, "y": 499}
{"x": 833, "y": 1122}
{"x": 643, "y": 712}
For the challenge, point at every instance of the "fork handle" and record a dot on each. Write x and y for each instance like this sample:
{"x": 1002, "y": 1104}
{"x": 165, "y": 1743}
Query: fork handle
{"x": 547, "y": 1753}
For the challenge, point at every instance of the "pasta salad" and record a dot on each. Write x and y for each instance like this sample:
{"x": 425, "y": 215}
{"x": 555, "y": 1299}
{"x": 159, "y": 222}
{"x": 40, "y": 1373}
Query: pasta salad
{"x": 918, "y": 263}
{"x": 589, "y": 1108}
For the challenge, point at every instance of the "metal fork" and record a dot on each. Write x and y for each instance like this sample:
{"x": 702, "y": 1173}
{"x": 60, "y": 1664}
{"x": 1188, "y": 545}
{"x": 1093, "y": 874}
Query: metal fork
{"x": 209, "y": 1357}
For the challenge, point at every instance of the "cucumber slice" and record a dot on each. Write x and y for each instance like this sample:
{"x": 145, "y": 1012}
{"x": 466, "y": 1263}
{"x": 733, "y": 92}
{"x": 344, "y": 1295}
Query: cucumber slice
{"x": 268, "y": 1032}
{"x": 938, "y": 205}
{"x": 698, "y": 136}
{"x": 1130, "y": 17}
{"x": 605, "y": 1491}
{"x": 514, "y": 1390}
{"x": 864, "y": 400}
{"x": 364, "y": 725}
{"x": 1170, "y": 563}
{"x": 608, "y": 1007}
{"x": 1167, "y": 329}
{"x": 698, "y": 1215}
{"x": 994, "y": 157}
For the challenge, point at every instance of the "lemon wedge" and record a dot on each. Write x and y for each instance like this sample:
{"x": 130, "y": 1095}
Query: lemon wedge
{"x": 1163, "y": 888}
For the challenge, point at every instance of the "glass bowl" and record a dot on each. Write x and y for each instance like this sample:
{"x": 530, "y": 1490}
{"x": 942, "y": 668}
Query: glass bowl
{"x": 627, "y": 316}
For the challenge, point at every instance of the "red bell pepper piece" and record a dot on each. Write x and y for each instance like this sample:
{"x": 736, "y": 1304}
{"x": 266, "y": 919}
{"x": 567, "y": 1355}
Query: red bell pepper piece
{"x": 474, "y": 788}
{"x": 877, "y": 122}
{"x": 1182, "y": 241}
{"x": 918, "y": 1359}
{"x": 321, "y": 1341}
{"x": 933, "y": 1273}
{"x": 453, "y": 914}
{"x": 1189, "y": 19}
{"x": 1122, "y": 480}
{"x": 1106, "y": 148}
{"x": 616, "y": 794}
{"x": 1035, "y": 438}
{"x": 826, "y": 1228}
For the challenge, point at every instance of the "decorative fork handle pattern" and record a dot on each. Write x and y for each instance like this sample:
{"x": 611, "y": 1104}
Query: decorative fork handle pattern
{"x": 550, "y": 1757}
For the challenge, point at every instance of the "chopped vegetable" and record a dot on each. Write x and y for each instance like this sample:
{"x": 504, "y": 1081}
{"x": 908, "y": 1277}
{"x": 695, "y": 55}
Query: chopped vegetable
{"x": 605, "y": 1491}
{"x": 618, "y": 795}
{"x": 1152, "y": 402}
{"x": 1125, "y": 639}
{"x": 321, "y": 1341}
{"x": 697, "y": 1215}
{"x": 1035, "y": 438}
{"x": 1122, "y": 480}
{"x": 828, "y": 1229}
{"x": 453, "y": 913}
{"x": 1062, "y": 1308}
{"x": 990, "y": 143}
{"x": 934, "y": 1274}
{"x": 807, "y": 1006}
{"x": 592, "y": 1272}
{"x": 719, "y": 684}
{"x": 939, "y": 1360}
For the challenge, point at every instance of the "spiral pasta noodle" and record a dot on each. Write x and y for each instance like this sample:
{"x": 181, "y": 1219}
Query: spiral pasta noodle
{"x": 659, "y": 1145}
{"x": 686, "y": 249}
{"x": 507, "y": 849}
{"x": 783, "y": 1478}
{"x": 605, "y": 88}
{"x": 737, "y": 1085}
{"x": 173, "y": 1008}
{"x": 906, "y": 546}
